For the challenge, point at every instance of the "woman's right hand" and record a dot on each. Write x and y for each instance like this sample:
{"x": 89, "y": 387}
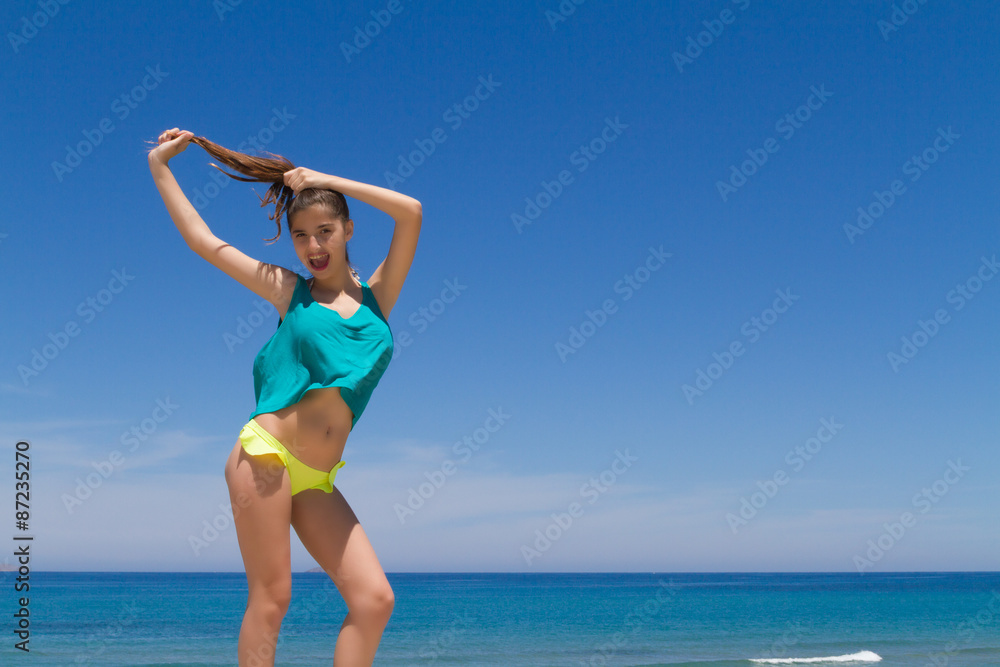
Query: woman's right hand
{"x": 171, "y": 143}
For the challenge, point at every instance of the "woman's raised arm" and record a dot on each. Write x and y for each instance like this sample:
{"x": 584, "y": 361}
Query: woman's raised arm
{"x": 272, "y": 282}
{"x": 189, "y": 223}
{"x": 400, "y": 207}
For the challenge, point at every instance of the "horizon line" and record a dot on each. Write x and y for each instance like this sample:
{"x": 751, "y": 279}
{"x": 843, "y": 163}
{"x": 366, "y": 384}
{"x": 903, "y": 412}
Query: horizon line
{"x": 663, "y": 572}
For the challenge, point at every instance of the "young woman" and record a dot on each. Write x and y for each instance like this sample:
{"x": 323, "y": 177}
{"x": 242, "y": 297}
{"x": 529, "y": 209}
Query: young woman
{"x": 312, "y": 381}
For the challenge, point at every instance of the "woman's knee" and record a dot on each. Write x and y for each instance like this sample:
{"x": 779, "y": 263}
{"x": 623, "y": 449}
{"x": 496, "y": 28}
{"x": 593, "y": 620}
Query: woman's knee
{"x": 385, "y": 599}
{"x": 271, "y": 599}
{"x": 375, "y": 604}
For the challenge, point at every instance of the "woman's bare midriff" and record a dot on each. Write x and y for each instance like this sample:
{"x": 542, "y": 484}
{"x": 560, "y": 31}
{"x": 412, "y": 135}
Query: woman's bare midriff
{"x": 314, "y": 430}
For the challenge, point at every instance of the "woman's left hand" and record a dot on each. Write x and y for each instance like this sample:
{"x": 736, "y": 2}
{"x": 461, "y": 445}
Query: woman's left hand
{"x": 300, "y": 178}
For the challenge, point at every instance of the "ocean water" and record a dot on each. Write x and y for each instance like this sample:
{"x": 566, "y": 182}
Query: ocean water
{"x": 703, "y": 620}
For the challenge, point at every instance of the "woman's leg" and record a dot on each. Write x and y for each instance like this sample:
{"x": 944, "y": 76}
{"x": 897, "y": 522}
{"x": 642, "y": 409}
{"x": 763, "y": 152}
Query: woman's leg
{"x": 261, "y": 497}
{"x": 332, "y": 534}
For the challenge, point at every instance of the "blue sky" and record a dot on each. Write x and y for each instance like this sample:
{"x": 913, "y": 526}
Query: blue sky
{"x": 854, "y": 426}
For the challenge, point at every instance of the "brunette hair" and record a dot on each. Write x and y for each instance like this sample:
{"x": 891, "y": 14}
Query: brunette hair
{"x": 272, "y": 170}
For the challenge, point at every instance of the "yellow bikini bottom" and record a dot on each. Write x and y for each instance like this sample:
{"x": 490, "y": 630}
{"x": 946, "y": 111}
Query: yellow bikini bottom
{"x": 255, "y": 440}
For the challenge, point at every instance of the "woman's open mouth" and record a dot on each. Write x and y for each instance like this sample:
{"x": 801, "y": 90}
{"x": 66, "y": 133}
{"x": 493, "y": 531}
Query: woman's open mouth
{"x": 319, "y": 262}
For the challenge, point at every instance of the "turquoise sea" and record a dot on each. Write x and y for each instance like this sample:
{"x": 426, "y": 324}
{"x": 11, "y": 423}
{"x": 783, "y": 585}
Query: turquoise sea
{"x": 704, "y": 620}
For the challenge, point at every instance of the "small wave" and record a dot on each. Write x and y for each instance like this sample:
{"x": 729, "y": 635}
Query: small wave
{"x": 861, "y": 656}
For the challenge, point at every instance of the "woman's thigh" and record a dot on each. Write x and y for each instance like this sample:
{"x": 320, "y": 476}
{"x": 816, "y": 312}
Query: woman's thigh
{"x": 331, "y": 532}
{"x": 261, "y": 498}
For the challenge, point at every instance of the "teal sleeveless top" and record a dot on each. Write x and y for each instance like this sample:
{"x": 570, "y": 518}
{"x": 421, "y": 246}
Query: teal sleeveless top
{"x": 315, "y": 347}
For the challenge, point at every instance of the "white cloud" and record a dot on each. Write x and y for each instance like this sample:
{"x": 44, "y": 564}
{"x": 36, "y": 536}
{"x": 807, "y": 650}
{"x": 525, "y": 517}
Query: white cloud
{"x": 8, "y": 388}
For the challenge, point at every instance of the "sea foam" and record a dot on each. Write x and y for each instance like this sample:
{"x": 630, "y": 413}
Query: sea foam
{"x": 861, "y": 656}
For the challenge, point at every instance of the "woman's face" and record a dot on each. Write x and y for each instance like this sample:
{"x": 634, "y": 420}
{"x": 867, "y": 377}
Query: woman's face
{"x": 320, "y": 239}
